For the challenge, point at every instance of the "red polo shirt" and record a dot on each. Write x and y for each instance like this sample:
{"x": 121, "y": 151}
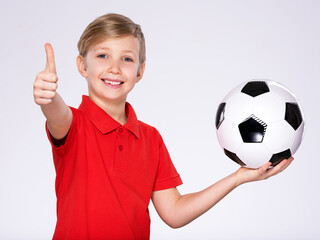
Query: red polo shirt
{"x": 105, "y": 175}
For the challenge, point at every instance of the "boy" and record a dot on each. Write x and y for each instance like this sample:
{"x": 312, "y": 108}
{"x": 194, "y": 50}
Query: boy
{"x": 108, "y": 164}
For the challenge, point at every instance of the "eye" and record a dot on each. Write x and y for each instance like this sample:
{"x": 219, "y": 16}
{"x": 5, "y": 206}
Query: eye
{"x": 127, "y": 59}
{"x": 102, "y": 56}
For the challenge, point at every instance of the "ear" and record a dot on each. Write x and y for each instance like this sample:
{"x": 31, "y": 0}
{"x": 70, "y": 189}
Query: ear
{"x": 82, "y": 66}
{"x": 141, "y": 71}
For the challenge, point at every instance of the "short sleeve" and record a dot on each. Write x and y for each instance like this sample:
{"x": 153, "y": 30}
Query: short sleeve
{"x": 167, "y": 176}
{"x": 59, "y": 151}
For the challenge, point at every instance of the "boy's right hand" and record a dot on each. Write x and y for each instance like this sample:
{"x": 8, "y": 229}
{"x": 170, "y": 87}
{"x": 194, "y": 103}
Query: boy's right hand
{"x": 58, "y": 114}
{"x": 45, "y": 85}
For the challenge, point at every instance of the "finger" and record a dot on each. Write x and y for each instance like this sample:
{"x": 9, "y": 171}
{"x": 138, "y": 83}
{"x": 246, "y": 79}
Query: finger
{"x": 47, "y": 94}
{"x": 279, "y": 167}
{"x": 286, "y": 164}
{"x": 43, "y": 94}
{"x": 46, "y": 76}
{"x": 51, "y": 65}
{"x": 42, "y": 101}
{"x": 43, "y": 85}
{"x": 264, "y": 167}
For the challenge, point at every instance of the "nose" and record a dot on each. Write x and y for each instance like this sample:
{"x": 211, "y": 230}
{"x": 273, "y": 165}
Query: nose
{"x": 114, "y": 68}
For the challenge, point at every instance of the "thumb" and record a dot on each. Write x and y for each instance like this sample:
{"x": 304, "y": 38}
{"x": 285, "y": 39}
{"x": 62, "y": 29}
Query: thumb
{"x": 51, "y": 65}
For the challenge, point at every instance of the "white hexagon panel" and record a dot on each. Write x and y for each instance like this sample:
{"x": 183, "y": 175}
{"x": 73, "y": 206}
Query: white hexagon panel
{"x": 282, "y": 92}
{"x": 269, "y": 107}
{"x": 248, "y": 153}
{"x": 283, "y": 133}
{"x": 231, "y": 138}
{"x": 238, "y": 107}
{"x": 259, "y": 121}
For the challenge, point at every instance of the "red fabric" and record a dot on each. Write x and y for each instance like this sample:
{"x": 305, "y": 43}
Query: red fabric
{"x": 105, "y": 175}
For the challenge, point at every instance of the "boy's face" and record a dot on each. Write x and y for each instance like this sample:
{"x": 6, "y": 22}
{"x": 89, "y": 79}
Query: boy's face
{"x": 112, "y": 69}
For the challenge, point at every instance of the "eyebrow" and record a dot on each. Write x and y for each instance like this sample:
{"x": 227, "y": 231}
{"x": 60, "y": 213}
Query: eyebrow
{"x": 106, "y": 48}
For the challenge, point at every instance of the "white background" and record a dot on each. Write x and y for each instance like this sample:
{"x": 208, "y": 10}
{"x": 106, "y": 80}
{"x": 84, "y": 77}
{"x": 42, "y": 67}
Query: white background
{"x": 196, "y": 52}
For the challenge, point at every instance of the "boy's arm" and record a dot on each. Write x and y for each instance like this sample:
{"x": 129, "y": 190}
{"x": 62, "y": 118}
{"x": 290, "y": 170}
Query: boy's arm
{"x": 178, "y": 210}
{"x": 57, "y": 113}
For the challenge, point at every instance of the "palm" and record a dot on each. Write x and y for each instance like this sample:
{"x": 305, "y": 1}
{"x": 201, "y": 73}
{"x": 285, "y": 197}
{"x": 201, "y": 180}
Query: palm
{"x": 264, "y": 172}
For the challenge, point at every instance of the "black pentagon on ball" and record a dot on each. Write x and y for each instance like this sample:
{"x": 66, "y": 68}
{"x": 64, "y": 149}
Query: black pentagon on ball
{"x": 220, "y": 114}
{"x": 233, "y": 157}
{"x": 293, "y": 115}
{"x": 278, "y": 157}
{"x": 255, "y": 88}
{"x": 252, "y": 130}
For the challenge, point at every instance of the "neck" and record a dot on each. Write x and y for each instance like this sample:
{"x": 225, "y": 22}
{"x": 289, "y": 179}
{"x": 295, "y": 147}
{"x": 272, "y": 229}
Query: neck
{"x": 116, "y": 110}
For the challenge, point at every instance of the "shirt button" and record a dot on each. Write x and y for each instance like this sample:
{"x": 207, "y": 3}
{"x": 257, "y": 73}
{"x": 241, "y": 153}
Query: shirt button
{"x": 120, "y": 147}
{"x": 120, "y": 130}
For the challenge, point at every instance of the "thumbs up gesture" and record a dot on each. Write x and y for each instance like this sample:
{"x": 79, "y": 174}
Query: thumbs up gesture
{"x": 45, "y": 85}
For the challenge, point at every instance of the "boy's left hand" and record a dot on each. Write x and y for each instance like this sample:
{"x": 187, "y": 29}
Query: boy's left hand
{"x": 245, "y": 175}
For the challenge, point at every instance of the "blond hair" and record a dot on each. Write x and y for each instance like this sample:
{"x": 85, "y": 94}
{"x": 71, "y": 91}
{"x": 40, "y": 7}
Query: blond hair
{"x": 111, "y": 26}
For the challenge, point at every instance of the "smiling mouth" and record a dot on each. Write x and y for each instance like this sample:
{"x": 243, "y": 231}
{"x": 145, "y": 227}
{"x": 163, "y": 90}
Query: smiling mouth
{"x": 112, "y": 82}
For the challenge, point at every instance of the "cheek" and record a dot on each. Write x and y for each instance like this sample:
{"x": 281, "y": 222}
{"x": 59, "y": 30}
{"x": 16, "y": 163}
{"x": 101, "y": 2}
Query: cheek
{"x": 94, "y": 69}
{"x": 131, "y": 70}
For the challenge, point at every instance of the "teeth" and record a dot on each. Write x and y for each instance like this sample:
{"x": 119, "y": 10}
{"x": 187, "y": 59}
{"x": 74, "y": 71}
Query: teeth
{"x": 113, "y": 83}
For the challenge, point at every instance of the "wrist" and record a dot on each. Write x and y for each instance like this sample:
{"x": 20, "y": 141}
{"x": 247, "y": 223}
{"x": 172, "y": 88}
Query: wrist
{"x": 234, "y": 180}
{"x": 238, "y": 177}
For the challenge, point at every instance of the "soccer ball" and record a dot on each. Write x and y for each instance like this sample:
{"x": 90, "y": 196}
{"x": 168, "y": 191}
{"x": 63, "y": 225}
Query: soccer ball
{"x": 259, "y": 121}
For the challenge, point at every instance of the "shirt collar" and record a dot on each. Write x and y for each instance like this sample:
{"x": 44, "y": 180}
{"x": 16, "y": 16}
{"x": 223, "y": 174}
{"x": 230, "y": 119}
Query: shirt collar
{"x": 104, "y": 122}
